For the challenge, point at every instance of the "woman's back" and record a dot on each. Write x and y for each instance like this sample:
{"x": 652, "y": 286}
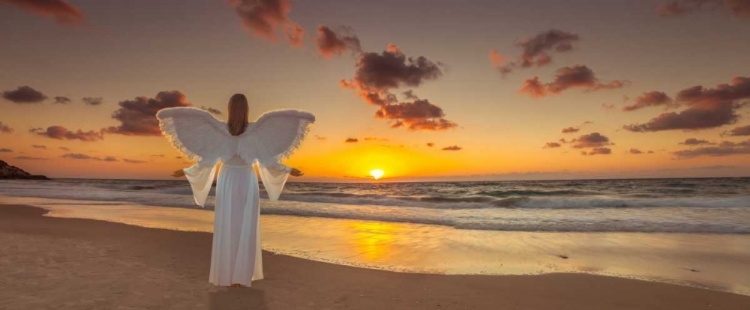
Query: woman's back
{"x": 236, "y": 161}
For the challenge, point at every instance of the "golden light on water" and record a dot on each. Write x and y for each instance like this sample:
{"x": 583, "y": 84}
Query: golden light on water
{"x": 373, "y": 240}
{"x": 377, "y": 173}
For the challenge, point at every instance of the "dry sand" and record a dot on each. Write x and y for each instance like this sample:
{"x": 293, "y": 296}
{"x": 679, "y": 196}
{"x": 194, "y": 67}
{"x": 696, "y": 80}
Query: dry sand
{"x": 56, "y": 263}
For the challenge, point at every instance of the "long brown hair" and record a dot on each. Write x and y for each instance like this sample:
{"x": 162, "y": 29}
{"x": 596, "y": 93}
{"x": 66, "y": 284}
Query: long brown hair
{"x": 238, "y": 109}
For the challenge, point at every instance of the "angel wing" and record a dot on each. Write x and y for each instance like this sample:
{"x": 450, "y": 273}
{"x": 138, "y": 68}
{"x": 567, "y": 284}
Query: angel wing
{"x": 274, "y": 136}
{"x": 197, "y": 134}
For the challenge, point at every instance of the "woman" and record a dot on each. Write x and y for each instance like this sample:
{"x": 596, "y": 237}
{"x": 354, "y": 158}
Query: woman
{"x": 236, "y": 251}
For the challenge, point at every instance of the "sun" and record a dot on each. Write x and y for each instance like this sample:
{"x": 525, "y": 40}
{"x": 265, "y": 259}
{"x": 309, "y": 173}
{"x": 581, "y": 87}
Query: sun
{"x": 376, "y": 173}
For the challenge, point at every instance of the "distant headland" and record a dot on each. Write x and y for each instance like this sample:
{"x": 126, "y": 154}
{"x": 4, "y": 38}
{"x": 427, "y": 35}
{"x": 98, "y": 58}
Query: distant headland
{"x": 8, "y": 172}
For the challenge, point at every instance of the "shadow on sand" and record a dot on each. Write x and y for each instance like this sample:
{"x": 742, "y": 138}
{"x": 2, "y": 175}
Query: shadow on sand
{"x": 237, "y": 298}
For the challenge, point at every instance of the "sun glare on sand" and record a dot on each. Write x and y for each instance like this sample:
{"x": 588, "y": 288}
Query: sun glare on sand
{"x": 376, "y": 173}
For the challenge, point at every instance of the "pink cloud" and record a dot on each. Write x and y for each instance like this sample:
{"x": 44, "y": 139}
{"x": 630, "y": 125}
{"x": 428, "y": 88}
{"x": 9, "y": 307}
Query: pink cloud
{"x": 267, "y": 18}
{"x": 62, "y": 11}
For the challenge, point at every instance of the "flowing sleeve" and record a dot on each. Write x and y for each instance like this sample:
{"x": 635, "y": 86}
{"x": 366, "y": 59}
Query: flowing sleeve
{"x": 201, "y": 178}
{"x": 274, "y": 177}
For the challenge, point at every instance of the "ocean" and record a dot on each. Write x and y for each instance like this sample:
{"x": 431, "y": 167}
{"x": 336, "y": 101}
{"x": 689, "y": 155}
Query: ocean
{"x": 710, "y": 205}
{"x": 692, "y": 232}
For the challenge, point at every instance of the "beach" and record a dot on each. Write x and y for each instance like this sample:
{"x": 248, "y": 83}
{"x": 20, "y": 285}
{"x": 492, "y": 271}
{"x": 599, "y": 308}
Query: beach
{"x": 68, "y": 263}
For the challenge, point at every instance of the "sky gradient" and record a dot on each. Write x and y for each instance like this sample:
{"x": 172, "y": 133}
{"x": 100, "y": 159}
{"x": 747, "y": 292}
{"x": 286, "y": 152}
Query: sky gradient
{"x": 459, "y": 90}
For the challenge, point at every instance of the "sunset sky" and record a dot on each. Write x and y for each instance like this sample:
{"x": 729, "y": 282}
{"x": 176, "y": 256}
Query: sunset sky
{"x": 424, "y": 90}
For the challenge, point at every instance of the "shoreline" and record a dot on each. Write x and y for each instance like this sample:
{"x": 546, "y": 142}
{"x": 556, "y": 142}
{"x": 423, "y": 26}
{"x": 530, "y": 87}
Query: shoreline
{"x": 81, "y": 263}
{"x": 717, "y": 262}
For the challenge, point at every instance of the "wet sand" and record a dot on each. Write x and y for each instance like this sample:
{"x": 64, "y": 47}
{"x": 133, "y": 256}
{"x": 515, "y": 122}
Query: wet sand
{"x": 61, "y": 263}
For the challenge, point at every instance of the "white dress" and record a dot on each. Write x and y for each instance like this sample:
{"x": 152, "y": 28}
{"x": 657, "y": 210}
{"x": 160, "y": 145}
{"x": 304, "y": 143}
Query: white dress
{"x": 236, "y": 249}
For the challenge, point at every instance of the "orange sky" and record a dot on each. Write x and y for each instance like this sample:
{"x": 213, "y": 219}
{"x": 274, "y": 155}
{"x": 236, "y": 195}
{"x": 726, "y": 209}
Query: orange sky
{"x": 496, "y": 87}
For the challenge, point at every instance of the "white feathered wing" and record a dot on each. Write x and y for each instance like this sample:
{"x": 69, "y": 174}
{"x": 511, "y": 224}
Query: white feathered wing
{"x": 204, "y": 139}
{"x": 274, "y": 136}
{"x": 196, "y": 134}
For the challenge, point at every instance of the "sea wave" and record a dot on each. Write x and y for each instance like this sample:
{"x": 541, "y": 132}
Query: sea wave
{"x": 672, "y": 220}
{"x": 508, "y": 193}
{"x": 593, "y": 206}
{"x": 548, "y": 202}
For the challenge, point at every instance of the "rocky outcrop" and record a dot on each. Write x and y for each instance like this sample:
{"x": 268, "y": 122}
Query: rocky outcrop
{"x": 11, "y": 172}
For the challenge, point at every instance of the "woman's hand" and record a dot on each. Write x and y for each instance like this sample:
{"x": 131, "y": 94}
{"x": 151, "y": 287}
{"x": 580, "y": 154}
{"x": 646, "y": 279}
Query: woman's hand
{"x": 295, "y": 172}
{"x": 178, "y": 174}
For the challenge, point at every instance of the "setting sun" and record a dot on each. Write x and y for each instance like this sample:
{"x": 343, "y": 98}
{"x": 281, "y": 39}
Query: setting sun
{"x": 376, "y": 173}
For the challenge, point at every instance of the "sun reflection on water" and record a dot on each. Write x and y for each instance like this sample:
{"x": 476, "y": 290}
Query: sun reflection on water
{"x": 373, "y": 240}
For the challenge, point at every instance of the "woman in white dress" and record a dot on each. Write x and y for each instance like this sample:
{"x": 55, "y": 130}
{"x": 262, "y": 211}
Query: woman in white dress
{"x": 238, "y": 145}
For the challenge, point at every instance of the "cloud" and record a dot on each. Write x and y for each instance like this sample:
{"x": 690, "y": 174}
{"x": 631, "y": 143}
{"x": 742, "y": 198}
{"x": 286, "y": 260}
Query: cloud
{"x": 608, "y": 106}
{"x": 138, "y": 116}
{"x": 690, "y": 119}
{"x": 409, "y": 95}
{"x": 635, "y": 151}
{"x": 37, "y": 146}
{"x": 430, "y": 144}
{"x": 536, "y": 50}
{"x": 134, "y": 161}
{"x": 497, "y": 59}
{"x": 452, "y": 148}
{"x": 392, "y": 69}
{"x": 740, "y": 8}
{"x": 424, "y": 124}
{"x": 77, "y": 156}
{"x": 158, "y": 155}
{"x": 739, "y": 131}
{"x": 566, "y": 78}
{"x": 571, "y": 129}
{"x": 534, "y": 88}
{"x": 551, "y": 145}
{"x": 379, "y": 73}
{"x": 725, "y": 148}
{"x": 706, "y": 108}
{"x": 23, "y": 95}
{"x": 374, "y": 139}
{"x": 62, "y": 133}
{"x": 29, "y": 158}
{"x": 62, "y": 100}
{"x": 415, "y": 115}
{"x": 331, "y": 43}
{"x": 321, "y": 138}
{"x": 93, "y": 100}
{"x": 598, "y": 151}
{"x": 674, "y": 8}
{"x": 5, "y": 128}
{"x": 211, "y": 110}
{"x": 64, "y": 148}
{"x": 651, "y": 99}
{"x": 88, "y": 157}
{"x": 62, "y": 11}
{"x": 594, "y": 139}
{"x": 266, "y": 18}
{"x": 694, "y": 141}
{"x": 739, "y": 89}
{"x": 4, "y": 150}
{"x": 351, "y": 140}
